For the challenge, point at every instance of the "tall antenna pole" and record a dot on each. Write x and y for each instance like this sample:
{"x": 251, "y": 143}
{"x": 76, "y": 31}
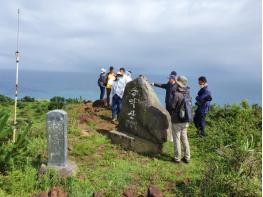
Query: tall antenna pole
{"x": 17, "y": 67}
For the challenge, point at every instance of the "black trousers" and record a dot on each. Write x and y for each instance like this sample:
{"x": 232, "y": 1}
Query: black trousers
{"x": 167, "y": 106}
{"x": 199, "y": 121}
{"x": 108, "y": 96}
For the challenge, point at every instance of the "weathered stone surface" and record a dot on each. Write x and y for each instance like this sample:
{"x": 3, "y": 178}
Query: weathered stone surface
{"x": 100, "y": 103}
{"x": 154, "y": 192}
{"x": 88, "y": 107}
{"x": 58, "y": 144}
{"x": 134, "y": 143}
{"x": 142, "y": 114}
{"x": 97, "y": 194}
{"x": 129, "y": 192}
{"x": 84, "y": 119}
{"x": 42, "y": 170}
{"x": 70, "y": 170}
{"x": 57, "y": 138}
{"x": 41, "y": 194}
{"x": 87, "y": 101}
{"x": 57, "y": 192}
{"x": 54, "y": 192}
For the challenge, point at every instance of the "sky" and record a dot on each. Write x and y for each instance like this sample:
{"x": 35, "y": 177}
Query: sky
{"x": 219, "y": 37}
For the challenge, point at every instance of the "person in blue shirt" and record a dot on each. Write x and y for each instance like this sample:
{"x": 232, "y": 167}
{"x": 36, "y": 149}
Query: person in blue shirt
{"x": 118, "y": 88}
{"x": 169, "y": 87}
{"x": 203, "y": 100}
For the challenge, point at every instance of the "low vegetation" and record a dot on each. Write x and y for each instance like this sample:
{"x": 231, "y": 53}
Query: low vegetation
{"x": 227, "y": 162}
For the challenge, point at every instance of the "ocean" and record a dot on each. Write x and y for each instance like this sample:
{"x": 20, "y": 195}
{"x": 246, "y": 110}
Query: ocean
{"x": 46, "y": 84}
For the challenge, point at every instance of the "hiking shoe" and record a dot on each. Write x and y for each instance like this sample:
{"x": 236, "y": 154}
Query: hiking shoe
{"x": 114, "y": 121}
{"x": 185, "y": 160}
{"x": 177, "y": 161}
{"x": 201, "y": 136}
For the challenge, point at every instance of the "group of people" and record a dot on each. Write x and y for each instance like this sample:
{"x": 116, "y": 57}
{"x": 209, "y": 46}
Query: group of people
{"x": 178, "y": 103}
{"x": 114, "y": 84}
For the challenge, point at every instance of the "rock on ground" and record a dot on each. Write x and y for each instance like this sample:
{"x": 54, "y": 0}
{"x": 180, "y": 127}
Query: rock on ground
{"x": 97, "y": 194}
{"x": 57, "y": 192}
{"x": 129, "y": 192}
{"x": 154, "y": 192}
{"x": 142, "y": 114}
{"x": 100, "y": 103}
{"x": 54, "y": 192}
{"x": 41, "y": 194}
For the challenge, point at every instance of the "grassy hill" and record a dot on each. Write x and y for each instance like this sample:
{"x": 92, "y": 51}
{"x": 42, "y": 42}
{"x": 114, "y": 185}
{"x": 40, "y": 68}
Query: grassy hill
{"x": 225, "y": 163}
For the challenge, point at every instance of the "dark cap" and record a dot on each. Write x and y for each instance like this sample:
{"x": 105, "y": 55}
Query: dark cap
{"x": 174, "y": 73}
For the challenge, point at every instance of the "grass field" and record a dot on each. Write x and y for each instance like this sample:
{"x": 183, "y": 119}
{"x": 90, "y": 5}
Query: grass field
{"x": 225, "y": 163}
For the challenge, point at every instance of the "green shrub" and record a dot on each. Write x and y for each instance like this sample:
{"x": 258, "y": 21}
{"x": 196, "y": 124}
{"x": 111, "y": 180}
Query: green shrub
{"x": 74, "y": 100}
{"x": 20, "y": 104}
{"x": 235, "y": 171}
{"x": 19, "y": 182}
{"x": 56, "y": 102}
{"x": 233, "y": 149}
{"x": 11, "y": 154}
{"x": 231, "y": 124}
{"x": 41, "y": 108}
{"x": 5, "y": 100}
{"x": 28, "y": 99}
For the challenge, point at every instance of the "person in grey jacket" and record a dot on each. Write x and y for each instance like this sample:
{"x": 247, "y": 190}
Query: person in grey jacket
{"x": 179, "y": 127}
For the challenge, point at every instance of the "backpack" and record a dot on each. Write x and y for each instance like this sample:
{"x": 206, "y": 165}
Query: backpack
{"x": 101, "y": 80}
{"x": 185, "y": 110}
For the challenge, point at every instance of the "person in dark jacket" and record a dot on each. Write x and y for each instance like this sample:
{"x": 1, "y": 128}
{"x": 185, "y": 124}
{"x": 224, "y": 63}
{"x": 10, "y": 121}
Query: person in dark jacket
{"x": 203, "y": 100}
{"x": 102, "y": 82}
{"x": 168, "y": 87}
{"x": 179, "y": 127}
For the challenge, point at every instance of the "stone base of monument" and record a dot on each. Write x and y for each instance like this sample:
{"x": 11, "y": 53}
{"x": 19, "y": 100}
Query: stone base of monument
{"x": 70, "y": 169}
{"x": 134, "y": 143}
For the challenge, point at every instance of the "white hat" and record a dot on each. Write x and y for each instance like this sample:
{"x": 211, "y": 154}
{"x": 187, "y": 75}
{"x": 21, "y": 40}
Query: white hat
{"x": 103, "y": 70}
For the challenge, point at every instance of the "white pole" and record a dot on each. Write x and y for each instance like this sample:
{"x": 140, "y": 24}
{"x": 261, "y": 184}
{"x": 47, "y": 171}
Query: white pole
{"x": 17, "y": 68}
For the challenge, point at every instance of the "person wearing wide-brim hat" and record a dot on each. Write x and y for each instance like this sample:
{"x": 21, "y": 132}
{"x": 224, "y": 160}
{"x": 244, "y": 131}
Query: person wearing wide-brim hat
{"x": 182, "y": 81}
{"x": 181, "y": 116}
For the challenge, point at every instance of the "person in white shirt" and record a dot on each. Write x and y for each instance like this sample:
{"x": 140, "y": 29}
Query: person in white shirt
{"x": 126, "y": 75}
{"x": 118, "y": 88}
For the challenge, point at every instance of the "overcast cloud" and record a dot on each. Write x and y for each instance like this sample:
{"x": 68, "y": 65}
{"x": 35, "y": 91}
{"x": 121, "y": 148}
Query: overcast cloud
{"x": 216, "y": 36}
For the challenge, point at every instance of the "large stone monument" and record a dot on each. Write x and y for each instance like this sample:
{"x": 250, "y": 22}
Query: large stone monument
{"x": 144, "y": 125}
{"x": 56, "y": 124}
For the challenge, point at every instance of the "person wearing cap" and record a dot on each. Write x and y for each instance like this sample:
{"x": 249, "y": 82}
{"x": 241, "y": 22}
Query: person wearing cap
{"x": 101, "y": 83}
{"x": 169, "y": 86}
{"x": 118, "y": 88}
{"x": 203, "y": 100}
{"x": 126, "y": 75}
{"x": 109, "y": 81}
{"x": 179, "y": 126}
